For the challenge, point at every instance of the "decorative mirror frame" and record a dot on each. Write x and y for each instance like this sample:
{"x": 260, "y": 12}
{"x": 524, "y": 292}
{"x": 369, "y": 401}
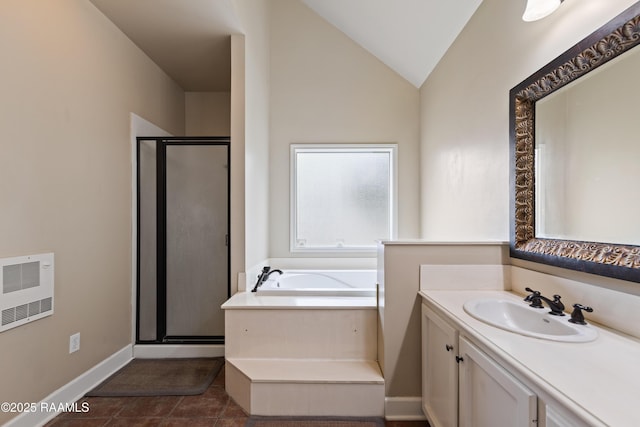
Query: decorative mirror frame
{"x": 608, "y": 259}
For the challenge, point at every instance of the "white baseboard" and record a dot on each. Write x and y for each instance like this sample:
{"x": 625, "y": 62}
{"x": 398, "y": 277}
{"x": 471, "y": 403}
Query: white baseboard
{"x": 72, "y": 391}
{"x": 166, "y": 351}
{"x": 403, "y": 408}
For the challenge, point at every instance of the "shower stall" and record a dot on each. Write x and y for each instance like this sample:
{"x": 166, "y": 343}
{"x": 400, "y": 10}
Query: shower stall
{"x": 182, "y": 239}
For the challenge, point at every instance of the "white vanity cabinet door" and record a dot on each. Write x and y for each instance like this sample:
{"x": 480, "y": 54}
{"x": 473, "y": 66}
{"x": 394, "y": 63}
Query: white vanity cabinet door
{"x": 439, "y": 370}
{"x": 557, "y": 418}
{"x": 489, "y": 395}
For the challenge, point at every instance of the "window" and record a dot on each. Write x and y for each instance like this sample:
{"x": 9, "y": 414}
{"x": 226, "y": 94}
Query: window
{"x": 343, "y": 197}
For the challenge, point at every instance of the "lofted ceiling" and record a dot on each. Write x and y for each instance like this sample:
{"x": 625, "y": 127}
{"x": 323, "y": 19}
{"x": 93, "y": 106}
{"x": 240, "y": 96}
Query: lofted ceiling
{"x": 409, "y": 36}
{"x": 190, "y": 39}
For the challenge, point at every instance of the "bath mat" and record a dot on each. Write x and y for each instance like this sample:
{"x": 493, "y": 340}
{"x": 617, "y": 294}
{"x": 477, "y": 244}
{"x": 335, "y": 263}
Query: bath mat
{"x": 256, "y": 421}
{"x": 161, "y": 377}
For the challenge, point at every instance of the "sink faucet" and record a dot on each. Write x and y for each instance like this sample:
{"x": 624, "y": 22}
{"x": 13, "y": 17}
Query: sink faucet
{"x": 556, "y": 306}
{"x": 264, "y": 275}
{"x": 535, "y": 298}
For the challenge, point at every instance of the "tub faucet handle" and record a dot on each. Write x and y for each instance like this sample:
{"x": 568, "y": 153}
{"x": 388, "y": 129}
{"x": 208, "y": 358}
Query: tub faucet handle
{"x": 261, "y": 277}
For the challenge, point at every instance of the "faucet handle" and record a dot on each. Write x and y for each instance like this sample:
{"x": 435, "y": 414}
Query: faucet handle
{"x": 264, "y": 271}
{"x": 577, "y": 316}
{"x": 261, "y": 277}
{"x": 533, "y": 298}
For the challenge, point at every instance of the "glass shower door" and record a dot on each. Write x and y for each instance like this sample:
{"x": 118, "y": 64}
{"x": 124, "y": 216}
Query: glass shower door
{"x": 183, "y": 242}
{"x": 196, "y": 239}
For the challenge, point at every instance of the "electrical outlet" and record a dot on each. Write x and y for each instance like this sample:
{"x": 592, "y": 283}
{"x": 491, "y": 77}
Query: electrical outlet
{"x": 74, "y": 343}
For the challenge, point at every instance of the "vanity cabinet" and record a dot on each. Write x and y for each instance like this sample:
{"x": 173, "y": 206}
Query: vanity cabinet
{"x": 463, "y": 386}
{"x": 558, "y": 417}
{"x": 489, "y": 395}
{"x": 439, "y": 370}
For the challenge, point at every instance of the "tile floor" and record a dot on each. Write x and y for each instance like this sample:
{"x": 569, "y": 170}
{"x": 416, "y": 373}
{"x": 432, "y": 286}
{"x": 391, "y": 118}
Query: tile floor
{"x": 213, "y": 408}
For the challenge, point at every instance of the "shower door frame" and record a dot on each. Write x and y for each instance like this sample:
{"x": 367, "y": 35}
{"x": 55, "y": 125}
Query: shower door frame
{"x": 161, "y": 233}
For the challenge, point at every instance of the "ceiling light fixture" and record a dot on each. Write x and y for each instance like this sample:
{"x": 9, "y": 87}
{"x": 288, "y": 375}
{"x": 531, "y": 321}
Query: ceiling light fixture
{"x": 538, "y": 9}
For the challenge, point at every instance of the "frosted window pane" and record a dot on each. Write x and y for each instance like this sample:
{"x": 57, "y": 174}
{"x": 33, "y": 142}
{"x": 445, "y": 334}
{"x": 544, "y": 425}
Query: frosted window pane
{"x": 343, "y": 198}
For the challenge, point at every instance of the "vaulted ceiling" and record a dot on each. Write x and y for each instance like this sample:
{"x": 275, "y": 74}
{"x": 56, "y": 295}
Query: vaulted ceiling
{"x": 190, "y": 39}
{"x": 410, "y": 36}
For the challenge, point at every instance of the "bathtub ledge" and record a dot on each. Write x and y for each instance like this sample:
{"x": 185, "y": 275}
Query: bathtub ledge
{"x": 249, "y": 300}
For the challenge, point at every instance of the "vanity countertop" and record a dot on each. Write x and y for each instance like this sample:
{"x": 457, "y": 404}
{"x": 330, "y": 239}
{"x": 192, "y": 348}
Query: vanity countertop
{"x": 601, "y": 377}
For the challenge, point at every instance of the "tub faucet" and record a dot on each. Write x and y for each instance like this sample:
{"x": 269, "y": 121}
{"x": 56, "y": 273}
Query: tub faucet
{"x": 264, "y": 275}
{"x": 275, "y": 270}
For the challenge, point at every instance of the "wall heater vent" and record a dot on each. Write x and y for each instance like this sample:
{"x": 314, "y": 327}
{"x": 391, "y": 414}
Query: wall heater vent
{"x": 26, "y": 285}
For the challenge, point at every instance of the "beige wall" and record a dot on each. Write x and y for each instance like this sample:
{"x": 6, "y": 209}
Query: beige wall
{"x": 465, "y": 107}
{"x": 208, "y": 113}
{"x": 69, "y": 80}
{"x": 399, "y": 281}
{"x": 254, "y": 15}
{"x": 326, "y": 88}
{"x": 237, "y": 184}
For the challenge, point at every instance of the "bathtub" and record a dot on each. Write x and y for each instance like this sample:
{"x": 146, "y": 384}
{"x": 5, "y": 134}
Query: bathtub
{"x": 352, "y": 283}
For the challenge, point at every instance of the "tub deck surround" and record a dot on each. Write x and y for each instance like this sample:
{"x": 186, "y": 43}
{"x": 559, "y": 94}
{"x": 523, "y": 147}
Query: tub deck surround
{"x": 598, "y": 379}
{"x": 252, "y": 300}
{"x": 296, "y": 355}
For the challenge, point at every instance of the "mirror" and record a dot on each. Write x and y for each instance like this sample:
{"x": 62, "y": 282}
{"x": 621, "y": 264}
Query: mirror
{"x": 586, "y": 156}
{"x": 574, "y": 151}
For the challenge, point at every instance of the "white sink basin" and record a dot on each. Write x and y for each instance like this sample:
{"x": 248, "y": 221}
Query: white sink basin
{"x": 518, "y": 317}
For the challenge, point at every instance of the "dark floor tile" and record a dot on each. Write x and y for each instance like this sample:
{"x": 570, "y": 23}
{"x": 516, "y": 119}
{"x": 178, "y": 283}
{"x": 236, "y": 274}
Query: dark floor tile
{"x": 149, "y": 406}
{"x": 419, "y": 423}
{"x": 77, "y": 422}
{"x": 219, "y": 379}
{"x": 99, "y": 407}
{"x": 216, "y": 392}
{"x": 198, "y": 407}
{"x": 231, "y": 422}
{"x": 233, "y": 410}
{"x": 189, "y": 422}
{"x": 135, "y": 422}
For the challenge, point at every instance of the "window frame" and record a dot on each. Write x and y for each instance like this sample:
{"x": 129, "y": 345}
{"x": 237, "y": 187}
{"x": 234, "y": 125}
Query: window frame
{"x": 391, "y": 149}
